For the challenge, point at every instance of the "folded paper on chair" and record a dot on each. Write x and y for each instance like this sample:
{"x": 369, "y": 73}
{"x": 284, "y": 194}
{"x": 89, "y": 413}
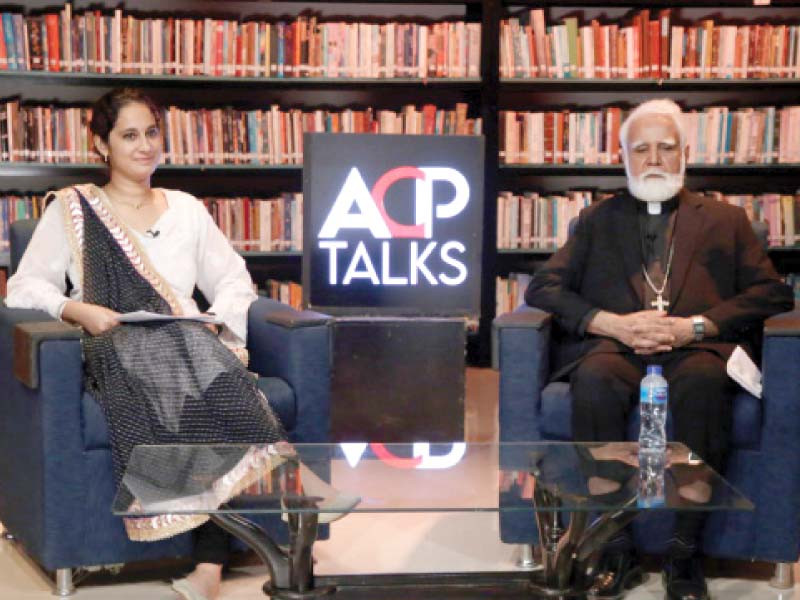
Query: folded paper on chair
{"x": 143, "y": 316}
{"x": 744, "y": 371}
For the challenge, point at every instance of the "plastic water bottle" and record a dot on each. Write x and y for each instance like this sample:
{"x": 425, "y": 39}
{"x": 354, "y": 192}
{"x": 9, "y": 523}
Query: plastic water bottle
{"x": 653, "y": 409}
{"x": 652, "y": 437}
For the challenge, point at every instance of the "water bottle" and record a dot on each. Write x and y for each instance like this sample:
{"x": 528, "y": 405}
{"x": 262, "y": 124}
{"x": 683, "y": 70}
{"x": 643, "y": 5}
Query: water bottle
{"x": 652, "y": 437}
{"x": 653, "y": 410}
{"x": 651, "y": 480}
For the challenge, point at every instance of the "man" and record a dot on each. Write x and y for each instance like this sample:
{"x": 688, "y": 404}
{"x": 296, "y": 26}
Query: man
{"x": 657, "y": 275}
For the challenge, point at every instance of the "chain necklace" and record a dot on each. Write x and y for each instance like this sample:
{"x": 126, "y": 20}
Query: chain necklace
{"x": 659, "y": 303}
{"x": 133, "y": 205}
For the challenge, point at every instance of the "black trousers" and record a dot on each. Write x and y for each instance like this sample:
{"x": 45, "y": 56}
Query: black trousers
{"x": 605, "y": 388}
{"x": 212, "y": 544}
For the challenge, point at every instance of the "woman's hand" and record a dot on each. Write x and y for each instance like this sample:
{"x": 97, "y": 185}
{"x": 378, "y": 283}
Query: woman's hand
{"x": 93, "y": 318}
{"x": 215, "y": 328}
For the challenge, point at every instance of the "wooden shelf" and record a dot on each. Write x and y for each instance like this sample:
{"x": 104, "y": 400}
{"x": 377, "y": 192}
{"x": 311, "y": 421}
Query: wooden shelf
{"x": 784, "y": 249}
{"x": 653, "y": 3}
{"x": 578, "y": 85}
{"x": 430, "y": 2}
{"x": 618, "y": 169}
{"x": 36, "y": 169}
{"x": 255, "y": 254}
{"x": 203, "y": 81}
{"x": 525, "y": 251}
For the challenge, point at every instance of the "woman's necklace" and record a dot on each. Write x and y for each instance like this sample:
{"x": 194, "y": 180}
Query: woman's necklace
{"x": 133, "y": 205}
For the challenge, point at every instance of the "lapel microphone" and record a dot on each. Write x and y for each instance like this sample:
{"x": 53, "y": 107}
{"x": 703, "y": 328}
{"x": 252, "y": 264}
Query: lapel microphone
{"x": 153, "y": 233}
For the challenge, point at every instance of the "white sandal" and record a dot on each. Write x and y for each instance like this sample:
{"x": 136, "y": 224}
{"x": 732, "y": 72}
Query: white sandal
{"x": 334, "y": 505}
{"x": 185, "y": 589}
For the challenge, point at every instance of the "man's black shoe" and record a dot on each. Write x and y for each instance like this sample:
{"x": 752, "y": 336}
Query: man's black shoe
{"x": 683, "y": 579}
{"x": 618, "y": 572}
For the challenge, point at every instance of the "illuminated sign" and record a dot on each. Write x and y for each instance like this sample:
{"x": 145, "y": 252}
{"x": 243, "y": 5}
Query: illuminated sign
{"x": 392, "y": 224}
{"x": 421, "y": 457}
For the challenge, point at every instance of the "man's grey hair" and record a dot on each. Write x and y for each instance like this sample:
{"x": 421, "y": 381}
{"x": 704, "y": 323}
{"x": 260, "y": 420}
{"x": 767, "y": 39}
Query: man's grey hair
{"x": 659, "y": 106}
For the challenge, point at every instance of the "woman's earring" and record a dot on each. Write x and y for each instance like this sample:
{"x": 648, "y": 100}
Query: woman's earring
{"x": 105, "y": 158}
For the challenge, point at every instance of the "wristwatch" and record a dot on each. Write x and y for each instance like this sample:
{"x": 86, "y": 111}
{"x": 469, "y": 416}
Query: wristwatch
{"x": 698, "y": 328}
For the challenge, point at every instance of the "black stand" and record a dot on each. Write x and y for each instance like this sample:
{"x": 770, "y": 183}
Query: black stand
{"x": 291, "y": 574}
{"x": 570, "y": 558}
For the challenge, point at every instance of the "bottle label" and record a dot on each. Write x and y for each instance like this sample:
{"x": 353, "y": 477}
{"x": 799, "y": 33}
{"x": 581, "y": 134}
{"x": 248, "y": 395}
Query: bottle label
{"x": 654, "y": 395}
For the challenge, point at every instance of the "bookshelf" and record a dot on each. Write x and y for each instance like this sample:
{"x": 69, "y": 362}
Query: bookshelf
{"x": 516, "y": 93}
{"x": 485, "y": 95}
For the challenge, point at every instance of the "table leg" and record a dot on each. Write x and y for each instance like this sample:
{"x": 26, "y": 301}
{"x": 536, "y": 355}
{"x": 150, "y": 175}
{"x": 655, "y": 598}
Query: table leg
{"x": 570, "y": 556}
{"x": 291, "y": 574}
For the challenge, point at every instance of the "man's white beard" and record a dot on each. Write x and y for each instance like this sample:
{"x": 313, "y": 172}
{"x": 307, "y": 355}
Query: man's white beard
{"x": 655, "y": 189}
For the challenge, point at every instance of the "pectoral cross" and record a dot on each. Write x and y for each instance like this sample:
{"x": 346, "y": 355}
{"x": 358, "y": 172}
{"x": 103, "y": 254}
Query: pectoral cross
{"x": 659, "y": 303}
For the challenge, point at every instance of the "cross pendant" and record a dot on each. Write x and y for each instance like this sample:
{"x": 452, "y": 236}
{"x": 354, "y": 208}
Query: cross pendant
{"x": 659, "y": 303}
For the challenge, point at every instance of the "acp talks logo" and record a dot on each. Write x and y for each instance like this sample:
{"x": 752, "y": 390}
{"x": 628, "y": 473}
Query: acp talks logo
{"x": 419, "y": 256}
{"x": 421, "y": 455}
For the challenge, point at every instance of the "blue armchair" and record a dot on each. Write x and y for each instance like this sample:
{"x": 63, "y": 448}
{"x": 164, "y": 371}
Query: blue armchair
{"x": 56, "y": 482}
{"x": 764, "y": 461}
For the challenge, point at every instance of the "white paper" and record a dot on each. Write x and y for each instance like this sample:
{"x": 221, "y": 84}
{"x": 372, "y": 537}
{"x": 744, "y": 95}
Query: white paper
{"x": 143, "y": 316}
{"x": 744, "y": 371}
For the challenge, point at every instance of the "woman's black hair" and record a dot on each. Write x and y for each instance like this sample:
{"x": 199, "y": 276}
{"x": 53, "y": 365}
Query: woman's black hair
{"x": 106, "y": 109}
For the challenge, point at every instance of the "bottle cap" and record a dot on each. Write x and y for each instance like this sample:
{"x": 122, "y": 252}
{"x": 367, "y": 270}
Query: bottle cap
{"x": 654, "y": 369}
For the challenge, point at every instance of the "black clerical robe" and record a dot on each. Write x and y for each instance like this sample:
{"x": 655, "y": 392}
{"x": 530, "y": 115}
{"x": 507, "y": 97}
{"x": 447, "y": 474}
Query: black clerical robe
{"x": 719, "y": 270}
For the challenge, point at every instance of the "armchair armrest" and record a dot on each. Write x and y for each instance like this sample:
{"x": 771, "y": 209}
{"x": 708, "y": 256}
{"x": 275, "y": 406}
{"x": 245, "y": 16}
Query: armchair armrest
{"x": 22, "y": 331}
{"x": 780, "y": 436}
{"x": 295, "y": 346}
{"x": 40, "y": 430}
{"x": 787, "y": 323}
{"x": 521, "y": 351}
{"x": 28, "y": 337}
{"x": 291, "y": 319}
{"x": 523, "y": 316}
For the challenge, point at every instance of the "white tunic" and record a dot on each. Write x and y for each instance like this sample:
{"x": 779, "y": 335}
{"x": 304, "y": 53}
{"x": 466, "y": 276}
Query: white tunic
{"x": 189, "y": 250}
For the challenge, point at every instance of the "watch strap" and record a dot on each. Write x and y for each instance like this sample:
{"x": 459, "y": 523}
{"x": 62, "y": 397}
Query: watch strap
{"x": 698, "y": 328}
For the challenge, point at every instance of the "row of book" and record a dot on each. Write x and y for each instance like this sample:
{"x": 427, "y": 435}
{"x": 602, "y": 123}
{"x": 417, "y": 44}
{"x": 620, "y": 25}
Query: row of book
{"x": 646, "y": 48}
{"x": 98, "y": 42}
{"x": 15, "y": 208}
{"x": 288, "y": 292}
{"x": 260, "y": 224}
{"x": 715, "y": 135}
{"x": 251, "y": 224}
{"x": 541, "y": 222}
{"x": 525, "y": 221}
{"x": 216, "y": 136}
{"x": 535, "y": 221}
{"x": 510, "y": 291}
{"x": 793, "y": 280}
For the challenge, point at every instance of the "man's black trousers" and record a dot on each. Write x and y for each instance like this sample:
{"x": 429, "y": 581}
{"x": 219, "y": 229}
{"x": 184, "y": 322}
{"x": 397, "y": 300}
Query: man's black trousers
{"x": 605, "y": 389}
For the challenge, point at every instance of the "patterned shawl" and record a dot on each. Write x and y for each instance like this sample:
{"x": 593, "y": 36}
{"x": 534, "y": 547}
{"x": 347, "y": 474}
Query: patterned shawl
{"x": 169, "y": 382}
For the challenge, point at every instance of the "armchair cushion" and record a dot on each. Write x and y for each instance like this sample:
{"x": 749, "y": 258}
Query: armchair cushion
{"x": 281, "y": 398}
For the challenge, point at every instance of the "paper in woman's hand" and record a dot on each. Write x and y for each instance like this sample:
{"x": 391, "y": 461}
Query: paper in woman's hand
{"x": 143, "y": 316}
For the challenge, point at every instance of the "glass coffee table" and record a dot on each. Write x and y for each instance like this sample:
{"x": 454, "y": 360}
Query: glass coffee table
{"x": 580, "y": 494}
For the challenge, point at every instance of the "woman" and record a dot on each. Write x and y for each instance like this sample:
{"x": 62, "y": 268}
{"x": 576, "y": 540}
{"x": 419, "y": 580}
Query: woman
{"x": 127, "y": 246}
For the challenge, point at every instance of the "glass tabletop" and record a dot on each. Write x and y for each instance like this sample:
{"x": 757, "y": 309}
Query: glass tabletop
{"x": 418, "y": 477}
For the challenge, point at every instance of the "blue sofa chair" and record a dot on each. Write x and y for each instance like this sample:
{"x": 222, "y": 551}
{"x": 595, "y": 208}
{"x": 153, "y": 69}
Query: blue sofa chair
{"x": 764, "y": 462}
{"x": 56, "y": 482}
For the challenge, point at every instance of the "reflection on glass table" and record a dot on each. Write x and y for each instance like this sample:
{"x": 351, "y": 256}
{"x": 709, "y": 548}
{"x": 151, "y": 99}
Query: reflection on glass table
{"x": 567, "y": 483}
